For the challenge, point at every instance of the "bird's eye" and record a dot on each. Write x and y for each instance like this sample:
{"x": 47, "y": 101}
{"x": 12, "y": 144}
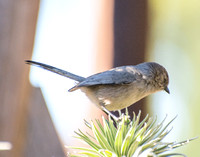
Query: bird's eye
{"x": 165, "y": 81}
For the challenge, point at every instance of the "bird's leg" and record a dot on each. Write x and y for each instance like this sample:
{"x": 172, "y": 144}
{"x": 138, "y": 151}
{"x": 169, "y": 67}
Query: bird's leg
{"x": 109, "y": 113}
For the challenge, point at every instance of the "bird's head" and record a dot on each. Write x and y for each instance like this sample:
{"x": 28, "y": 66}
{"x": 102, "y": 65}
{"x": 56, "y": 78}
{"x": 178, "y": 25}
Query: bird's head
{"x": 156, "y": 75}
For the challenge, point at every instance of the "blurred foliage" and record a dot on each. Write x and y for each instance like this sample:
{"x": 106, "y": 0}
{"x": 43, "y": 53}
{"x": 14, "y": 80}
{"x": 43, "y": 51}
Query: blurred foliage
{"x": 174, "y": 36}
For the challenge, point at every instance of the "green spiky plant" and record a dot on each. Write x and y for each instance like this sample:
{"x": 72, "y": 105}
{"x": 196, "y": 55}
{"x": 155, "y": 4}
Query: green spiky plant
{"x": 126, "y": 138}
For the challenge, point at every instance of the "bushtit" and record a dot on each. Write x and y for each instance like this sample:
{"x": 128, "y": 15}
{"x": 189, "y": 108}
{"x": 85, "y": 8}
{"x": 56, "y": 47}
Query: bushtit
{"x": 119, "y": 87}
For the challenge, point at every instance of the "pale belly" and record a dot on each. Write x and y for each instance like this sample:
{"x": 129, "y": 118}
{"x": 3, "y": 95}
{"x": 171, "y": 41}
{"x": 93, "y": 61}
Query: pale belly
{"x": 114, "y": 97}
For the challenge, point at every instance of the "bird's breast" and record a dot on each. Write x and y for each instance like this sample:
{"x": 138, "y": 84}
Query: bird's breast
{"x": 115, "y": 97}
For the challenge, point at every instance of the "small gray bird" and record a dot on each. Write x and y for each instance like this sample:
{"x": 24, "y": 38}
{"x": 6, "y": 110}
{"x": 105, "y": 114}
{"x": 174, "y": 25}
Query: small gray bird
{"x": 119, "y": 87}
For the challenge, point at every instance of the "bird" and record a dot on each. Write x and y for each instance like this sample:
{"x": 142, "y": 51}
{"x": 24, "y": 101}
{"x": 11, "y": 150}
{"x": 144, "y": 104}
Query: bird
{"x": 119, "y": 87}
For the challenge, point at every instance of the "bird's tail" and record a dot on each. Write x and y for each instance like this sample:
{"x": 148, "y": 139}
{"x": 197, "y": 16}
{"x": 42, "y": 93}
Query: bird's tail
{"x": 56, "y": 70}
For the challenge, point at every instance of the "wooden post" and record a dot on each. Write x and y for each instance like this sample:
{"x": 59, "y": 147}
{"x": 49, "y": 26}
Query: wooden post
{"x": 17, "y": 31}
{"x": 130, "y": 29}
{"x": 42, "y": 138}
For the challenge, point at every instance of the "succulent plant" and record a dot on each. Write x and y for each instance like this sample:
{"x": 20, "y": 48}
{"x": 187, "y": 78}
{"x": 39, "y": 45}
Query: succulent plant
{"x": 127, "y": 138}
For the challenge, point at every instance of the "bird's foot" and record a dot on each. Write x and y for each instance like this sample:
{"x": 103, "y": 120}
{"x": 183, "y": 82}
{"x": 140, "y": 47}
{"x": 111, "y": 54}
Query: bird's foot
{"x": 111, "y": 114}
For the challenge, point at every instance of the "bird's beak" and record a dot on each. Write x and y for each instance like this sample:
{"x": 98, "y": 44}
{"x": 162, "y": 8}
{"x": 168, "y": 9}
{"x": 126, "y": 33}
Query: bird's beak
{"x": 167, "y": 90}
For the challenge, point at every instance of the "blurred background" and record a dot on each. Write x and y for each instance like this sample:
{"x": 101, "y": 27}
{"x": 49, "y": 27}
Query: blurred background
{"x": 38, "y": 116}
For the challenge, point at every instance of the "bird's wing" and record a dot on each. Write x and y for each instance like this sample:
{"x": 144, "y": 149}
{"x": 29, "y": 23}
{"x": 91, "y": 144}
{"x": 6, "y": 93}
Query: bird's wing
{"x": 119, "y": 75}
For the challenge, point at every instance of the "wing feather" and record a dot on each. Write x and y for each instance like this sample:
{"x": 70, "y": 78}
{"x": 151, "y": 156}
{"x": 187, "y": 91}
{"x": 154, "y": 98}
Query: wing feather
{"x": 119, "y": 75}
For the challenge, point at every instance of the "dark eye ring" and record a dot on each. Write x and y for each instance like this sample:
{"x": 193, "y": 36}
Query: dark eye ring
{"x": 165, "y": 80}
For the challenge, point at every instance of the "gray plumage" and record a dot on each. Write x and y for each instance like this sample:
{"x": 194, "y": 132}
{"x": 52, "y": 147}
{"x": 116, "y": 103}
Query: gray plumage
{"x": 119, "y": 87}
{"x": 57, "y": 70}
{"x": 119, "y": 75}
